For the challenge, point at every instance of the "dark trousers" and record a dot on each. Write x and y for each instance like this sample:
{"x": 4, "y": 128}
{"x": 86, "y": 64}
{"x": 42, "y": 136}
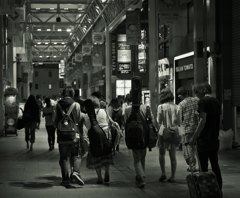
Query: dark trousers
{"x": 30, "y": 128}
{"x": 51, "y": 135}
{"x": 75, "y": 159}
{"x": 209, "y": 150}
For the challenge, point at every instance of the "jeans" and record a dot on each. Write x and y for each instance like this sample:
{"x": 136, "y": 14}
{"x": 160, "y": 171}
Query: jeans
{"x": 139, "y": 161}
{"x": 209, "y": 150}
{"x": 189, "y": 152}
{"x": 51, "y": 135}
{"x": 75, "y": 159}
{"x": 30, "y": 128}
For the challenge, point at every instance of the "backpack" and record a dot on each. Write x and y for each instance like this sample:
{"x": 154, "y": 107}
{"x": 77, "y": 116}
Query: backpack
{"x": 135, "y": 128}
{"x": 67, "y": 128}
{"x": 99, "y": 145}
{"x": 152, "y": 133}
{"x": 117, "y": 116}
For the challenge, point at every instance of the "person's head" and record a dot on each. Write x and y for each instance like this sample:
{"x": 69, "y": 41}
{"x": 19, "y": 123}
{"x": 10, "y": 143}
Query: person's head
{"x": 95, "y": 101}
{"x": 166, "y": 95}
{"x": 76, "y": 92}
{"x": 68, "y": 92}
{"x": 47, "y": 101}
{"x": 182, "y": 93}
{"x": 201, "y": 89}
{"x": 31, "y": 102}
{"x": 115, "y": 103}
{"x": 99, "y": 96}
{"x": 127, "y": 98}
{"x": 38, "y": 97}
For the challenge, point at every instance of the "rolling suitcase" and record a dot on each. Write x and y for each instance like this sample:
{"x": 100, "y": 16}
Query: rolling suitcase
{"x": 203, "y": 184}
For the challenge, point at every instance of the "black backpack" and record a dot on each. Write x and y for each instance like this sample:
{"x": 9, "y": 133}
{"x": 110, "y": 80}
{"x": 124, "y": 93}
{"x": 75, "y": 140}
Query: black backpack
{"x": 135, "y": 129}
{"x": 99, "y": 143}
{"x": 66, "y": 127}
{"x": 117, "y": 116}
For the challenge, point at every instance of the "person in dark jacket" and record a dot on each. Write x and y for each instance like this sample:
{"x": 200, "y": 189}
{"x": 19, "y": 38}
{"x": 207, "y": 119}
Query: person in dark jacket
{"x": 31, "y": 118}
{"x": 73, "y": 147}
{"x": 77, "y": 98}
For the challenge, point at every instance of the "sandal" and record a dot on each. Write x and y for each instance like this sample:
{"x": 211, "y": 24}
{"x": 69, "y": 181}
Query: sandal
{"x": 171, "y": 180}
{"x": 162, "y": 178}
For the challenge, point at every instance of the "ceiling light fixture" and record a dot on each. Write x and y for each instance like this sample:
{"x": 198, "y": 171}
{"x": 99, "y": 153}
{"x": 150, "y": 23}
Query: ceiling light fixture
{"x": 54, "y": 56}
{"x": 46, "y": 43}
{"x": 55, "y": 43}
{"x": 37, "y": 8}
{"x": 70, "y": 33}
{"x": 65, "y": 8}
{"x": 59, "y": 30}
{"x": 63, "y": 43}
{"x": 69, "y": 30}
{"x": 39, "y": 29}
{"x": 38, "y": 43}
{"x": 48, "y": 29}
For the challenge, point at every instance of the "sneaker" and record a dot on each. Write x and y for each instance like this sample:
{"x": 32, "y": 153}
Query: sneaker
{"x": 78, "y": 179}
{"x": 140, "y": 182}
{"x": 106, "y": 178}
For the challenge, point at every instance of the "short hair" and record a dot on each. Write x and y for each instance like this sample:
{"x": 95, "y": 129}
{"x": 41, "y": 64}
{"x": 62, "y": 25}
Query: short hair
{"x": 76, "y": 92}
{"x": 127, "y": 98}
{"x": 166, "y": 95}
{"x": 95, "y": 101}
{"x": 202, "y": 88}
{"x": 182, "y": 91}
{"x": 68, "y": 92}
{"x": 48, "y": 101}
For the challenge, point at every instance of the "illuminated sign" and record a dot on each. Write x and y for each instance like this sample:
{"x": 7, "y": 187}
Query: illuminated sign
{"x": 184, "y": 68}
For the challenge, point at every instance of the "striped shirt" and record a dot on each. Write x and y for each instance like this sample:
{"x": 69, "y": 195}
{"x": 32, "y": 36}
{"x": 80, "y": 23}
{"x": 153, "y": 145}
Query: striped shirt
{"x": 190, "y": 116}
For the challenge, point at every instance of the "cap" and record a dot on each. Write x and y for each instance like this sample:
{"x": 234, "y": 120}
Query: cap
{"x": 181, "y": 91}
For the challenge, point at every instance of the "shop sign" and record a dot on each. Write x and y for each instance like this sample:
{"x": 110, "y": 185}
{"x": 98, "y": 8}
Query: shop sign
{"x": 124, "y": 56}
{"x": 86, "y": 49}
{"x": 78, "y": 57}
{"x": 146, "y": 97}
{"x": 133, "y": 27}
{"x": 121, "y": 37}
{"x": 7, "y": 7}
{"x": 97, "y": 38}
{"x": 114, "y": 56}
{"x": 184, "y": 68}
{"x": 163, "y": 67}
{"x": 169, "y": 11}
{"x": 14, "y": 27}
{"x": 86, "y": 64}
{"x": 97, "y": 56}
{"x": 18, "y": 40}
{"x": 124, "y": 68}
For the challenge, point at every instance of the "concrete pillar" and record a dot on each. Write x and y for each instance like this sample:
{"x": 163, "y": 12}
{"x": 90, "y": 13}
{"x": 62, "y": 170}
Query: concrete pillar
{"x": 1, "y": 76}
{"x": 108, "y": 66}
{"x": 198, "y": 42}
{"x": 153, "y": 53}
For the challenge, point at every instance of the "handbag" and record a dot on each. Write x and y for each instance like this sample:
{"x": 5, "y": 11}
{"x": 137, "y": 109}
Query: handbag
{"x": 20, "y": 124}
{"x": 170, "y": 135}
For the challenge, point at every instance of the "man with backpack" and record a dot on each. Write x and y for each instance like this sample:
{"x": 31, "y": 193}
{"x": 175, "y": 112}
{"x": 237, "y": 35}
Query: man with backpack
{"x": 139, "y": 154}
{"x": 68, "y": 121}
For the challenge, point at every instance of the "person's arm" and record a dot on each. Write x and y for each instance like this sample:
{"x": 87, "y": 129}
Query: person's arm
{"x": 55, "y": 116}
{"x": 43, "y": 114}
{"x": 200, "y": 127}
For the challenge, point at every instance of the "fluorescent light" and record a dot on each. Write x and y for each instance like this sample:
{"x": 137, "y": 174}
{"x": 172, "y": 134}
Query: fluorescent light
{"x": 59, "y": 29}
{"x": 51, "y": 8}
{"x": 46, "y": 43}
{"x": 54, "y": 56}
{"x": 63, "y": 43}
{"x": 39, "y": 29}
{"x": 38, "y": 43}
{"x": 70, "y": 33}
{"x": 55, "y": 43}
{"x": 79, "y": 8}
{"x": 40, "y": 56}
{"x": 35, "y": 45}
{"x": 65, "y": 8}
{"x": 69, "y": 30}
{"x": 48, "y": 29}
{"x": 37, "y": 8}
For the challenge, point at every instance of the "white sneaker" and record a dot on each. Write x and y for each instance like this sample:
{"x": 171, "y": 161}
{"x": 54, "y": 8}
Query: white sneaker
{"x": 78, "y": 178}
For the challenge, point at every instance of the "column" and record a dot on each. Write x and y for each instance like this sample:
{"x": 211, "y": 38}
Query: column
{"x": 108, "y": 66}
{"x": 153, "y": 53}
{"x": 1, "y": 76}
{"x": 198, "y": 42}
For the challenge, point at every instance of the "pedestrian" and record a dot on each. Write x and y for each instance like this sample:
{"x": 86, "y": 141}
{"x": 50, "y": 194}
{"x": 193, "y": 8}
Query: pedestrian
{"x": 48, "y": 113}
{"x": 31, "y": 118}
{"x": 126, "y": 103}
{"x": 66, "y": 145}
{"x": 40, "y": 104}
{"x": 103, "y": 102}
{"x": 138, "y": 155}
{"x": 103, "y": 161}
{"x": 168, "y": 116}
{"x": 78, "y": 99}
{"x": 188, "y": 106}
{"x": 207, "y": 132}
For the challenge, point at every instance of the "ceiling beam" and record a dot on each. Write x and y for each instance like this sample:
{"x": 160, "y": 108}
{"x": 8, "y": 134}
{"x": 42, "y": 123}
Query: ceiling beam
{"x": 57, "y": 23}
{"x": 60, "y": 1}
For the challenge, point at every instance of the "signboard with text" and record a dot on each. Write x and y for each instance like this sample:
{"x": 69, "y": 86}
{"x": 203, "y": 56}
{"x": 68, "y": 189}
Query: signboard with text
{"x": 133, "y": 27}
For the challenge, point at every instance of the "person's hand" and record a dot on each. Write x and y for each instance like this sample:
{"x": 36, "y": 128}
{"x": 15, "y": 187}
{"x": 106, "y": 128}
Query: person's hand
{"x": 192, "y": 141}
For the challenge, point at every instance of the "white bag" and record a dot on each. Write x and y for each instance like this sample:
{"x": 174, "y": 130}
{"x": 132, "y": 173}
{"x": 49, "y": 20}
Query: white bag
{"x": 225, "y": 138}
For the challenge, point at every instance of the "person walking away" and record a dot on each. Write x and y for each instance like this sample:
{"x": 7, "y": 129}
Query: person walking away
{"x": 168, "y": 116}
{"x": 102, "y": 161}
{"x": 207, "y": 132}
{"x": 31, "y": 118}
{"x": 66, "y": 144}
{"x": 48, "y": 113}
{"x": 138, "y": 155}
{"x": 103, "y": 102}
{"x": 40, "y": 104}
{"x": 77, "y": 98}
{"x": 188, "y": 106}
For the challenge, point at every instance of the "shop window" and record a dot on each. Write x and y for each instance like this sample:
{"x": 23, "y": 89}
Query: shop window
{"x": 36, "y": 73}
{"x": 49, "y": 74}
{"x": 190, "y": 18}
{"x": 36, "y": 86}
{"x": 123, "y": 87}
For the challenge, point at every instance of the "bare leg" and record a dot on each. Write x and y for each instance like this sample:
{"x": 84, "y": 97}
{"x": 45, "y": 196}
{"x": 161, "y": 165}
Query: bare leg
{"x": 162, "y": 152}
{"x": 172, "y": 154}
{"x": 99, "y": 174}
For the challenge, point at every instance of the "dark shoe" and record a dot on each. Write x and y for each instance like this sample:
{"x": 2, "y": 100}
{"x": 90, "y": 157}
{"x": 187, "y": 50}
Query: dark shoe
{"x": 162, "y": 178}
{"x": 31, "y": 148}
{"x": 189, "y": 170}
{"x": 140, "y": 182}
{"x": 106, "y": 178}
{"x": 171, "y": 180}
{"x": 65, "y": 183}
{"x": 117, "y": 148}
{"x": 99, "y": 181}
{"x": 78, "y": 178}
{"x": 27, "y": 145}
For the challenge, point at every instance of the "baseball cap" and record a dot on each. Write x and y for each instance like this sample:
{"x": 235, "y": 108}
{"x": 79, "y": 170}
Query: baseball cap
{"x": 181, "y": 91}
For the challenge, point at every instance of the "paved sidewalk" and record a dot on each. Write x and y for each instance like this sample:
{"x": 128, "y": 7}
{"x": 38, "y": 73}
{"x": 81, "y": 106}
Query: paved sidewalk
{"x": 36, "y": 174}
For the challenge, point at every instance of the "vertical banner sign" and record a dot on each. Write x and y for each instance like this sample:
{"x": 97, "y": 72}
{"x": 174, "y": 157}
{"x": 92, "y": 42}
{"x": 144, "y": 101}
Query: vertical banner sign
{"x": 97, "y": 55}
{"x": 78, "y": 57}
{"x": 97, "y": 38}
{"x": 123, "y": 55}
{"x": 14, "y": 27}
{"x": 114, "y": 55}
{"x": 133, "y": 27}
{"x": 86, "y": 63}
{"x": 169, "y": 11}
{"x": 7, "y": 7}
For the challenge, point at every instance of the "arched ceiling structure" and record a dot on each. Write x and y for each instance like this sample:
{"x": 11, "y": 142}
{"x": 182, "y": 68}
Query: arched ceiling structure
{"x": 55, "y": 24}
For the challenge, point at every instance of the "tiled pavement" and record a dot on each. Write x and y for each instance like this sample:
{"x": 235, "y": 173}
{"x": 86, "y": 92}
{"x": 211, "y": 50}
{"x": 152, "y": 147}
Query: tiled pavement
{"x": 36, "y": 174}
